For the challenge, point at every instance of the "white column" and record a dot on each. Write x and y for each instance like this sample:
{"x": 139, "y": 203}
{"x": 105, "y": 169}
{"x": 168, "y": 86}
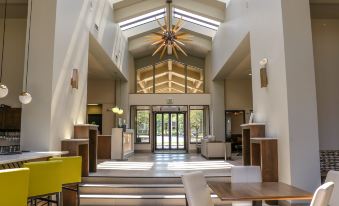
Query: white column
{"x": 280, "y": 30}
{"x": 59, "y": 43}
{"x": 217, "y": 108}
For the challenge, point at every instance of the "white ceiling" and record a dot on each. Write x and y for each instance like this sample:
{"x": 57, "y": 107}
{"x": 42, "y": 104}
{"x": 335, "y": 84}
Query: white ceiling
{"x": 198, "y": 47}
{"x": 202, "y": 36}
{"x": 241, "y": 71}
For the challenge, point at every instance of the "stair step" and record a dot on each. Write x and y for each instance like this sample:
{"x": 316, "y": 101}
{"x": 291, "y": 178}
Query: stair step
{"x": 139, "y": 200}
{"x": 145, "y": 180}
{"x": 132, "y": 189}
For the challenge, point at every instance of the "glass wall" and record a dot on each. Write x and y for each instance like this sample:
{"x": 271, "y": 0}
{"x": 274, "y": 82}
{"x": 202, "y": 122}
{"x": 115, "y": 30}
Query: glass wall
{"x": 170, "y": 77}
{"x": 198, "y": 123}
{"x": 195, "y": 80}
{"x": 143, "y": 125}
{"x": 144, "y": 78}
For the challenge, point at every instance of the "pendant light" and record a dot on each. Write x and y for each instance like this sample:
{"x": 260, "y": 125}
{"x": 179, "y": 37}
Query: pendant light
{"x": 3, "y": 88}
{"x": 116, "y": 109}
{"x": 25, "y": 97}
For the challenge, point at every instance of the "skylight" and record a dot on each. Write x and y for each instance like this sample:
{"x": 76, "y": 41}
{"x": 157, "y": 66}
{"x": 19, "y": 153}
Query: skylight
{"x": 196, "y": 19}
{"x": 178, "y": 13}
{"x": 143, "y": 19}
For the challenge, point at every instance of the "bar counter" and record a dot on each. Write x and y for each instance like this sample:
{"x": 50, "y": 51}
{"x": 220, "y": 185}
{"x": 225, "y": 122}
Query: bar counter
{"x": 28, "y": 156}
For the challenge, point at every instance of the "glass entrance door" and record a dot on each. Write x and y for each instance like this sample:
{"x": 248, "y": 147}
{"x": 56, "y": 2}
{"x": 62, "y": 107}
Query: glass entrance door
{"x": 170, "y": 131}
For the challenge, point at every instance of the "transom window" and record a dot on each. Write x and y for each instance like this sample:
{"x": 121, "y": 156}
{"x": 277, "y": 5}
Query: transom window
{"x": 170, "y": 77}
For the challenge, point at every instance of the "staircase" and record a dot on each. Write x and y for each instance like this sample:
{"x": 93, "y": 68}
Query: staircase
{"x": 137, "y": 191}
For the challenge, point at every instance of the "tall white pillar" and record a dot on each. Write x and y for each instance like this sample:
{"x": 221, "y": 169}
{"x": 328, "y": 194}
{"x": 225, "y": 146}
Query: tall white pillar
{"x": 217, "y": 108}
{"x": 59, "y": 43}
{"x": 280, "y": 30}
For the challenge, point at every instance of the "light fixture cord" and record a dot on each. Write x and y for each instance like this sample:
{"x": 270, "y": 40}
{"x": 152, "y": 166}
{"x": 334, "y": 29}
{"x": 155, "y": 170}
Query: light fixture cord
{"x": 28, "y": 45}
{"x": 3, "y": 40}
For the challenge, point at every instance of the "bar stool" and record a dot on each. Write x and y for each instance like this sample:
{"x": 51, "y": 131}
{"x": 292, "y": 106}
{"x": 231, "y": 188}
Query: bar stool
{"x": 14, "y": 186}
{"x": 44, "y": 181}
{"x": 71, "y": 173}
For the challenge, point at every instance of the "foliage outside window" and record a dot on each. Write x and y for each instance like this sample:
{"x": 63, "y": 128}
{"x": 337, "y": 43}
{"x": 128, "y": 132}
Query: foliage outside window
{"x": 197, "y": 125}
{"x": 143, "y": 126}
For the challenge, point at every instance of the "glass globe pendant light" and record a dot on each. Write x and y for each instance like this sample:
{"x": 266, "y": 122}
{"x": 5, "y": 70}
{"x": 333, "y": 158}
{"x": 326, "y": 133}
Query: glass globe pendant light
{"x": 115, "y": 109}
{"x": 25, "y": 97}
{"x": 3, "y": 88}
{"x": 121, "y": 111}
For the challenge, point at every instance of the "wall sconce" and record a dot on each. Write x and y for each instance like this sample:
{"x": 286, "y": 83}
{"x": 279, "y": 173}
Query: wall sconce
{"x": 263, "y": 72}
{"x": 75, "y": 79}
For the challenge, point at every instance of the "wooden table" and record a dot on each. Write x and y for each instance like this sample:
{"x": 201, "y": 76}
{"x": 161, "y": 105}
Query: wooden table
{"x": 258, "y": 191}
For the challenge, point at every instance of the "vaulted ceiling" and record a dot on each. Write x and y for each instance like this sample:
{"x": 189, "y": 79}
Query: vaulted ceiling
{"x": 202, "y": 36}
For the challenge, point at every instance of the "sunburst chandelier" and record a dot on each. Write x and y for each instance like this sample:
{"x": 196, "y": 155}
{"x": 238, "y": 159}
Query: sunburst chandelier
{"x": 169, "y": 38}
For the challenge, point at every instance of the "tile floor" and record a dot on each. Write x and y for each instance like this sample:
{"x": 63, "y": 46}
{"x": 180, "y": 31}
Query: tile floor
{"x": 164, "y": 165}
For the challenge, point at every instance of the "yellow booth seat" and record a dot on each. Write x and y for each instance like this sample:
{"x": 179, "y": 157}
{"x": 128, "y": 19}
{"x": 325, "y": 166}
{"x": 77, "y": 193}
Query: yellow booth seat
{"x": 14, "y": 187}
{"x": 45, "y": 178}
{"x": 70, "y": 170}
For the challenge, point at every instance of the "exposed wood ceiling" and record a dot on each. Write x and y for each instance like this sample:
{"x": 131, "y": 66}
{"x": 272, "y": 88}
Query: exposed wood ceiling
{"x": 170, "y": 77}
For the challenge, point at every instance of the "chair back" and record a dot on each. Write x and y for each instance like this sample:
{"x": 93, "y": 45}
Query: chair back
{"x": 196, "y": 189}
{"x": 246, "y": 174}
{"x": 44, "y": 178}
{"x": 333, "y": 176}
{"x": 323, "y": 194}
{"x": 14, "y": 187}
{"x": 71, "y": 169}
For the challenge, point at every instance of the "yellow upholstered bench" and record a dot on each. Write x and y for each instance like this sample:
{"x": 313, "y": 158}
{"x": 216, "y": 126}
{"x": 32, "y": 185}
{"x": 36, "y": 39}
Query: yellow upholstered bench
{"x": 71, "y": 173}
{"x": 14, "y": 187}
{"x": 44, "y": 181}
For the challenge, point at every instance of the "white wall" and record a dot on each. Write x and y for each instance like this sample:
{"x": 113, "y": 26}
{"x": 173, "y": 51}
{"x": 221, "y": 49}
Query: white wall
{"x": 161, "y": 99}
{"x": 230, "y": 34}
{"x": 14, "y": 59}
{"x": 36, "y": 133}
{"x": 217, "y": 108}
{"x": 238, "y": 94}
{"x": 326, "y": 53}
{"x": 101, "y": 91}
{"x": 281, "y": 31}
{"x": 60, "y": 43}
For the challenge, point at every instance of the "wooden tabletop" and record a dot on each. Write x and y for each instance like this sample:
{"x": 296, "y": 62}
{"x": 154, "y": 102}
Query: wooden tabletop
{"x": 258, "y": 191}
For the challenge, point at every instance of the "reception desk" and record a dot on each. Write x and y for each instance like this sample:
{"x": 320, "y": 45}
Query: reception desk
{"x": 122, "y": 143}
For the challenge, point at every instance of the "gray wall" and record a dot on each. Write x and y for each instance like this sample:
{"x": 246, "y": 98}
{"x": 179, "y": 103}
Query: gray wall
{"x": 326, "y": 58}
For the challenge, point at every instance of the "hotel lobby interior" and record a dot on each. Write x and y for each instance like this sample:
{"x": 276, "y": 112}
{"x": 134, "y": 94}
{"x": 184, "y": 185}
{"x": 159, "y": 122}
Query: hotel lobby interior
{"x": 169, "y": 102}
